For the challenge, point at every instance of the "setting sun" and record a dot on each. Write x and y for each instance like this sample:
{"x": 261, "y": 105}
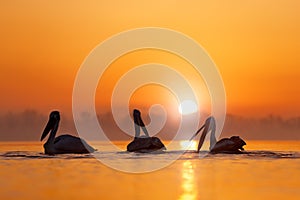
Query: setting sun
{"x": 187, "y": 107}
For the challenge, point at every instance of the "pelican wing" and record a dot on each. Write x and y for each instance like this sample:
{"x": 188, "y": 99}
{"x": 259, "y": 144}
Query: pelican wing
{"x": 146, "y": 144}
{"x": 71, "y": 144}
{"x": 224, "y": 146}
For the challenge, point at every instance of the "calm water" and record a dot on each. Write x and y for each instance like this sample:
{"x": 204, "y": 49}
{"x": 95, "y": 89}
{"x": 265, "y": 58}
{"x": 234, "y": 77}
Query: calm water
{"x": 271, "y": 170}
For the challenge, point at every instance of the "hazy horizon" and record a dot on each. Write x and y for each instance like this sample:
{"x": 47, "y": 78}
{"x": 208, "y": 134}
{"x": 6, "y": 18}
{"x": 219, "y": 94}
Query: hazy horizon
{"x": 28, "y": 126}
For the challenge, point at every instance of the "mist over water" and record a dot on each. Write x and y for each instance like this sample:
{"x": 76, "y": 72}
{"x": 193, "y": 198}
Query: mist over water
{"x": 28, "y": 126}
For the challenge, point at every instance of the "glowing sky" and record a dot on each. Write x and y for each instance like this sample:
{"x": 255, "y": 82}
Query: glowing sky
{"x": 255, "y": 45}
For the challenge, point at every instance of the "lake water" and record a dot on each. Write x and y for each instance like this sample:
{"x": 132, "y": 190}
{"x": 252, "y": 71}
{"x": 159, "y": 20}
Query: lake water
{"x": 270, "y": 170}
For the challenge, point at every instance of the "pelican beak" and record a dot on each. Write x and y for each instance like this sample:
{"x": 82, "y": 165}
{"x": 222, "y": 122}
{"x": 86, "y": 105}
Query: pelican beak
{"x": 48, "y": 128}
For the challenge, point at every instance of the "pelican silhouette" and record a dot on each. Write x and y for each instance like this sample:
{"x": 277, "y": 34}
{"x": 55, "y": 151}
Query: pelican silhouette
{"x": 145, "y": 143}
{"x": 63, "y": 143}
{"x": 232, "y": 145}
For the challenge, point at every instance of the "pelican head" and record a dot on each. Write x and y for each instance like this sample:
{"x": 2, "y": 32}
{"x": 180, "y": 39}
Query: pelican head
{"x": 239, "y": 142}
{"x": 54, "y": 119}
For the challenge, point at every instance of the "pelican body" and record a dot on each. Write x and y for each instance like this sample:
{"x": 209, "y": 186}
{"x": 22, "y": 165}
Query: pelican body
{"x": 64, "y": 143}
{"x": 232, "y": 145}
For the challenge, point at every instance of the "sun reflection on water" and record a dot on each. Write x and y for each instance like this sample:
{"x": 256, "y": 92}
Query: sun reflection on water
{"x": 188, "y": 182}
{"x": 188, "y": 145}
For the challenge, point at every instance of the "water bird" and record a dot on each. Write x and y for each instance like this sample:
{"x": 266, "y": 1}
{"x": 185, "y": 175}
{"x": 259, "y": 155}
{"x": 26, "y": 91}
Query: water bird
{"x": 63, "y": 143}
{"x": 232, "y": 145}
{"x": 143, "y": 144}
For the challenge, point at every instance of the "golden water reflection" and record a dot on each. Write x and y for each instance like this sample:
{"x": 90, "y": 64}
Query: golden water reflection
{"x": 188, "y": 182}
{"x": 213, "y": 177}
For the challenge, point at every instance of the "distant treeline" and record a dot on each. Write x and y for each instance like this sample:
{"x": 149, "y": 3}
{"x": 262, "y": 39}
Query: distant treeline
{"x": 28, "y": 125}
{"x": 266, "y": 128}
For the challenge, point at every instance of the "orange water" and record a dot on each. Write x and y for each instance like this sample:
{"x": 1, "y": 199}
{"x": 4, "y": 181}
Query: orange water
{"x": 191, "y": 177}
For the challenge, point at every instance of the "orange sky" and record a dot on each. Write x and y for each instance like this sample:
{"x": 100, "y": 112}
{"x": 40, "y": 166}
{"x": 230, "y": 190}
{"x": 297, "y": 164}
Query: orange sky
{"x": 255, "y": 45}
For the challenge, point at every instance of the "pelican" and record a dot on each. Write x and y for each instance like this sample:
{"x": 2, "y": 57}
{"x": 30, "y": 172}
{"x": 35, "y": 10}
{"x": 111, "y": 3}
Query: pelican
{"x": 63, "y": 143}
{"x": 232, "y": 145}
{"x": 145, "y": 143}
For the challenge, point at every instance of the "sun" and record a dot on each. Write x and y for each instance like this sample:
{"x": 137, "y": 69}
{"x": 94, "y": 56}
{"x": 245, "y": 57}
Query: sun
{"x": 187, "y": 107}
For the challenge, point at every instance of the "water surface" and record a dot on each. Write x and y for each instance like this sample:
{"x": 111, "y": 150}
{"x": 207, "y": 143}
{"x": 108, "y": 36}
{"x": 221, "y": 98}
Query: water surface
{"x": 269, "y": 170}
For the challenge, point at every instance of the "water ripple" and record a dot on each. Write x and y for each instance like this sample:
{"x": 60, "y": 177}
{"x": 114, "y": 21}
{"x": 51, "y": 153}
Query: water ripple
{"x": 188, "y": 155}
